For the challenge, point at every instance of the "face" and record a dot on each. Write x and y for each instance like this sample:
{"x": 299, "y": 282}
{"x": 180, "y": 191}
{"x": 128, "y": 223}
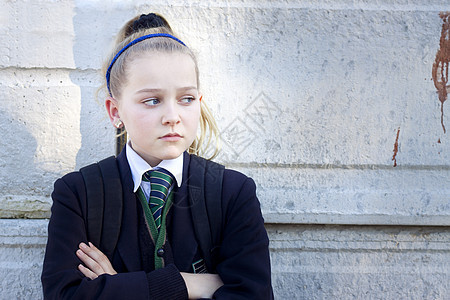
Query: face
{"x": 159, "y": 105}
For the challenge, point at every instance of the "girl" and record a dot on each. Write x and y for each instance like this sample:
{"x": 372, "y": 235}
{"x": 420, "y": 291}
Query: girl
{"x": 153, "y": 84}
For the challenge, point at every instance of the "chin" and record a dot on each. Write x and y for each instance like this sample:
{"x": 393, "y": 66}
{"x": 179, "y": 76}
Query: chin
{"x": 172, "y": 154}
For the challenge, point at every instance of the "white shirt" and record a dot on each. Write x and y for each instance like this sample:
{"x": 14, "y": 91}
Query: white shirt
{"x": 139, "y": 166}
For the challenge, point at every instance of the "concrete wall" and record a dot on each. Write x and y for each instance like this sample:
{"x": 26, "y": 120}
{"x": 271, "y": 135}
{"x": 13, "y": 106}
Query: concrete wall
{"x": 314, "y": 100}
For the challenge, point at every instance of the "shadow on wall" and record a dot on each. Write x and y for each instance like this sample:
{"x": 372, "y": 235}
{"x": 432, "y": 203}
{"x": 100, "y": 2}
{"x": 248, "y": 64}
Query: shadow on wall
{"x": 18, "y": 147}
{"x": 91, "y": 40}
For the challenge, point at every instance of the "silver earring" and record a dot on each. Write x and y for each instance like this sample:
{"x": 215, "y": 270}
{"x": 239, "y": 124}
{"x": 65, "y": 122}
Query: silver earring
{"x": 118, "y": 123}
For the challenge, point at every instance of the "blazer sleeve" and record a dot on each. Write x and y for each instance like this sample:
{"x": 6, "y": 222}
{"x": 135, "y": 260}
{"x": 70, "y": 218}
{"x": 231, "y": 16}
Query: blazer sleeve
{"x": 244, "y": 262}
{"x": 61, "y": 278}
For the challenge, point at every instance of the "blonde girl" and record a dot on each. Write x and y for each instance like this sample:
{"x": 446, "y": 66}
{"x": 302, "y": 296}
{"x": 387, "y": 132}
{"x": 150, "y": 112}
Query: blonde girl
{"x": 152, "y": 82}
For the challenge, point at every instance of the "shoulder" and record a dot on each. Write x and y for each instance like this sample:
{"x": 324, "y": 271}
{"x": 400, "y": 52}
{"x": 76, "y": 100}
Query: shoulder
{"x": 71, "y": 191}
{"x": 70, "y": 186}
{"x": 238, "y": 195}
{"x": 70, "y": 180}
{"x": 76, "y": 179}
{"x": 72, "y": 183}
{"x": 237, "y": 180}
{"x": 231, "y": 178}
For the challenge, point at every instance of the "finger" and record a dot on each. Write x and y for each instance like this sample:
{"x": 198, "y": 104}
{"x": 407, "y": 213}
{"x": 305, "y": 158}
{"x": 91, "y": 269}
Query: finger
{"x": 94, "y": 253}
{"x": 92, "y": 246}
{"x": 99, "y": 258}
{"x": 103, "y": 260}
{"x": 86, "y": 272}
{"x": 89, "y": 262}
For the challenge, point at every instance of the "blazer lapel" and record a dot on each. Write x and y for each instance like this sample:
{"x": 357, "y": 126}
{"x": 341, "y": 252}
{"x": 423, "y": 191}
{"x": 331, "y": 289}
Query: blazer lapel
{"x": 128, "y": 245}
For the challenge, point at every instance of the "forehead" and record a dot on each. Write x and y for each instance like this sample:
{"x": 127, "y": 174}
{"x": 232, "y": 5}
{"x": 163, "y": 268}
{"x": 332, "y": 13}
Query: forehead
{"x": 160, "y": 58}
{"x": 161, "y": 70}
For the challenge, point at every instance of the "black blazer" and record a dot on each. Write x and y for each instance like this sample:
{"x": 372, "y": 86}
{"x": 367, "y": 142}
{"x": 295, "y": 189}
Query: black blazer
{"x": 244, "y": 264}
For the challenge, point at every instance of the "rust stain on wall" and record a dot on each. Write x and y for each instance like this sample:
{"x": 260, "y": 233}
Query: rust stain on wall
{"x": 440, "y": 66}
{"x": 394, "y": 157}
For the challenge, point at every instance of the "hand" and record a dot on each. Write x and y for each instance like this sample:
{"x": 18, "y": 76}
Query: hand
{"x": 96, "y": 262}
{"x": 201, "y": 285}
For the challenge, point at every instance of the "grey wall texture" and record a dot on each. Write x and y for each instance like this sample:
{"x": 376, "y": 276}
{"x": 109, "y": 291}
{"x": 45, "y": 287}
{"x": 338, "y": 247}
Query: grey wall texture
{"x": 332, "y": 106}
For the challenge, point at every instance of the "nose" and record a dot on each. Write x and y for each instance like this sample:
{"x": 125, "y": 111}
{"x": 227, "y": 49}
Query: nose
{"x": 171, "y": 115}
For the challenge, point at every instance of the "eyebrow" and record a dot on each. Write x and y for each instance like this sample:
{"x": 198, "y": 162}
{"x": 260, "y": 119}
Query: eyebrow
{"x": 183, "y": 89}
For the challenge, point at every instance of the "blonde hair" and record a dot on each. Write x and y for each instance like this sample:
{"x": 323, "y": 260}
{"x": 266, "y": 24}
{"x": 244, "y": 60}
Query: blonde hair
{"x": 208, "y": 136}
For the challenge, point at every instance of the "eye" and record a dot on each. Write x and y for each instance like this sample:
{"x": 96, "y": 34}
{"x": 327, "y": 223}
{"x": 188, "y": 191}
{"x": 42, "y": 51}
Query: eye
{"x": 187, "y": 100}
{"x": 151, "y": 102}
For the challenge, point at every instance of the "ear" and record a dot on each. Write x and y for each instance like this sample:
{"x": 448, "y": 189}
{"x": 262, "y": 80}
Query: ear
{"x": 112, "y": 108}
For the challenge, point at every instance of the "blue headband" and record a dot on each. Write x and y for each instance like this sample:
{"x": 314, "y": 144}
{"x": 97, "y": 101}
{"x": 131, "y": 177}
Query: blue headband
{"x": 139, "y": 39}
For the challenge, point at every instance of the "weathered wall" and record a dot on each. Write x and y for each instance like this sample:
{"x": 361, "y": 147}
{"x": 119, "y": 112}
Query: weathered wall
{"x": 313, "y": 98}
{"x": 308, "y": 261}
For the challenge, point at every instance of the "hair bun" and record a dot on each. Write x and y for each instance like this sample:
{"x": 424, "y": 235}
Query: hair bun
{"x": 150, "y": 20}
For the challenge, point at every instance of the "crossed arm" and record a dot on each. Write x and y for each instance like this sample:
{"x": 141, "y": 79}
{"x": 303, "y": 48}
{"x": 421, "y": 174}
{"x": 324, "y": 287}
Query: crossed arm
{"x": 96, "y": 264}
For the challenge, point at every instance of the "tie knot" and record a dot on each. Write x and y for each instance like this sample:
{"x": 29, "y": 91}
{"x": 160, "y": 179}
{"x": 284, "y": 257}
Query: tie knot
{"x": 160, "y": 177}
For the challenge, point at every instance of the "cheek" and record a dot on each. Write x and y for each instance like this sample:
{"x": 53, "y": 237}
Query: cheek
{"x": 136, "y": 115}
{"x": 196, "y": 118}
{"x": 193, "y": 123}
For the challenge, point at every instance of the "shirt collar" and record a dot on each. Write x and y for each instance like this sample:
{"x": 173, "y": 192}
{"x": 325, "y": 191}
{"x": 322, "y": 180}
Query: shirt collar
{"x": 139, "y": 166}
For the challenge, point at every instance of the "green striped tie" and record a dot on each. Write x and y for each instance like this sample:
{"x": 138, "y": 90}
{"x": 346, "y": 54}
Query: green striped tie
{"x": 160, "y": 182}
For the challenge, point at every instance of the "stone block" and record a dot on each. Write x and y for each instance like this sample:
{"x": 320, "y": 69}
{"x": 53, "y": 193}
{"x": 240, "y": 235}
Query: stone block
{"x": 45, "y": 124}
{"x": 37, "y": 34}
{"x": 346, "y": 262}
{"x": 328, "y": 195}
{"x": 22, "y": 248}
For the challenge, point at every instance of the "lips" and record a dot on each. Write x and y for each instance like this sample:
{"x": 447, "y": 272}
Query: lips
{"x": 171, "y": 137}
